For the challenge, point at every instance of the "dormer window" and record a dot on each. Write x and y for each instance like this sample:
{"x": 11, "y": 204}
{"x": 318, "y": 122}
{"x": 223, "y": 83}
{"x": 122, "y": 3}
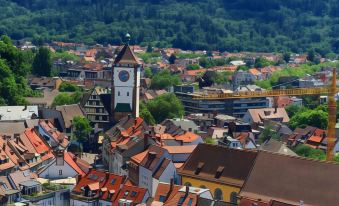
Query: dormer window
{"x": 219, "y": 172}
{"x": 199, "y": 168}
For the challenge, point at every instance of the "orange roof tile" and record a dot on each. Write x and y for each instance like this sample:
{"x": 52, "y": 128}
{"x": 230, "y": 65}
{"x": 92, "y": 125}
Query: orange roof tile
{"x": 183, "y": 149}
{"x": 194, "y": 72}
{"x": 73, "y": 164}
{"x": 139, "y": 157}
{"x": 315, "y": 139}
{"x": 254, "y": 71}
{"x": 187, "y": 137}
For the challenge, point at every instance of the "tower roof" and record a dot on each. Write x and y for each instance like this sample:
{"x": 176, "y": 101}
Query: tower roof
{"x": 126, "y": 56}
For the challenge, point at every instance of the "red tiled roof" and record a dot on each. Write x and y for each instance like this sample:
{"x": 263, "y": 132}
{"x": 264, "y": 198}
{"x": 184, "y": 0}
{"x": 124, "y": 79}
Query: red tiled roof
{"x": 315, "y": 139}
{"x": 133, "y": 193}
{"x": 57, "y": 136}
{"x": 194, "y": 72}
{"x": 139, "y": 157}
{"x": 187, "y": 137}
{"x": 69, "y": 160}
{"x": 104, "y": 179}
{"x": 38, "y": 144}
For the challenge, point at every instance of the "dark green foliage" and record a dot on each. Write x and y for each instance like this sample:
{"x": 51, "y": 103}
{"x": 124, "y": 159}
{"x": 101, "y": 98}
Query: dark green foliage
{"x": 232, "y": 25}
{"x": 148, "y": 72}
{"x": 262, "y": 62}
{"x": 42, "y": 64}
{"x": 210, "y": 140}
{"x": 305, "y": 151}
{"x": 65, "y": 99}
{"x": 172, "y": 59}
{"x": 81, "y": 129}
{"x": 268, "y": 133}
{"x": 310, "y": 117}
{"x": 14, "y": 67}
{"x": 164, "y": 79}
{"x": 69, "y": 87}
{"x": 193, "y": 67}
{"x": 162, "y": 107}
{"x": 208, "y": 63}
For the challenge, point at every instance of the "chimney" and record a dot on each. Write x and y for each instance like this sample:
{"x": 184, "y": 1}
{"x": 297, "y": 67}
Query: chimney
{"x": 129, "y": 116}
{"x": 107, "y": 176}
{"x": 75, "y": 157}
{"x": 152, "y": 155}
{"x": 25, "y": 108}
{"x": 135, "y": 122}
{"x": 4, "y": 146}
{"x": 89, "y": 170}
{"x": 171, "y": 189}
{"x": 187, "y": 191}
{"x": 146, "y": 137}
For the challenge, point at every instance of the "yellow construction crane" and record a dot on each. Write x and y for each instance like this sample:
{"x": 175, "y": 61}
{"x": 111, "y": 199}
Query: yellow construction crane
{"x": 330, "y": 91}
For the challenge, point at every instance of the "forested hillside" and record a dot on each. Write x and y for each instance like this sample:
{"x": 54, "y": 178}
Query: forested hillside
{"x": 232, "y": 25}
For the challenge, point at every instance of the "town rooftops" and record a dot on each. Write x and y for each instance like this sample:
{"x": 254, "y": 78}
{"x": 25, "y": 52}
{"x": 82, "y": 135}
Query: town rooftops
{"x": 258, "y": 115}
{"x": 18, "y": 112}
{"x": 219, "y": 164}
{"x": 291, "y": 180}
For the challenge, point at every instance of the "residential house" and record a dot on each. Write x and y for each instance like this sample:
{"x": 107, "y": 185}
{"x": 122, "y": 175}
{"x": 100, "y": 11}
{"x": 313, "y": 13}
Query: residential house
{"x": 7, "y": 190}
{"x": 68, "y": 112}
{"x": 219, "y": 169}
{"x": 203, "y": 121}
{"x": 106, "y": 189}
{"x": 284, "y": 176}
{"x": 276, "y": 146}
{"x": 258, "y": 116}
{"x": 242, "y": 78}
{"x": 51, "y": 135}
{"x": 242, "y": 140}
{"x": 184, "y": 124}
{"x": 171, "y": 194}
{"x": 156, "y": 167}
{"x": 97, "y": 106}
{"x": 123, "y": 141}
{"x": 62, "y": 167}
{"x": 51, "y": 83}
{"x": 16, "y": 113}
{"x": 191, "y": 75}
{"x": 256, "y": 73}
{"x": 222, "y": 120}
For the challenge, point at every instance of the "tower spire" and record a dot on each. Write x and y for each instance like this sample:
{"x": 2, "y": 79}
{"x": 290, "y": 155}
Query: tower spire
{"x": 127, "y": 38}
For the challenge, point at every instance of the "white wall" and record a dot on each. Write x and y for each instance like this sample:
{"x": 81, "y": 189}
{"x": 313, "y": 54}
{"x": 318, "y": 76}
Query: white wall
{"x": 52, "y": 171}
{"x": 80, "y": 203}
{"x": 123, "y": 98}
{"x": 145, "y": 178}
{"x": 129, "y": 82}
{"x": 166, "y": 176}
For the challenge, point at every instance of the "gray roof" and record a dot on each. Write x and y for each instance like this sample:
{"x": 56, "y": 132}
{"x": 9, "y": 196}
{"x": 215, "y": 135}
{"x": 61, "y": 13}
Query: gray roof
{"x": 11, "y": 127}
{"x": 184, "y": 124}
{"x": 30, "y": 183}
{"x": 17, "y": 112}
{"x": 208, "y": 202}
{"x": 277, "y": 147}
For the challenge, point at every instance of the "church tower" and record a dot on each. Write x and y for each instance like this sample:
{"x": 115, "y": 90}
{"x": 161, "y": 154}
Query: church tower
{"x": 125, "y": 83}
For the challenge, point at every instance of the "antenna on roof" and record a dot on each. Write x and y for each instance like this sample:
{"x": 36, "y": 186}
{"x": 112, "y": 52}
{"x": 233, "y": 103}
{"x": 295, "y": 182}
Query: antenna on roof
{"x": 127, "y": 38}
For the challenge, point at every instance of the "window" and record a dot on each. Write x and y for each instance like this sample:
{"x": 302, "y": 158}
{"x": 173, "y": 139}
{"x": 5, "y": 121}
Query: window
{"x": 190, "y": 201}
{"x": 118, "y": 93}
{"x": 128, "y": 94}
{"x": 234, "y": 197}
{"x": 133, "y": 194}
{"x": 218, "y": 194}
{"x": 60, "y": 172}
{"x": 162, "y": 198}
{"x": 113, "y": 181}
{"x": 181, "y": 200}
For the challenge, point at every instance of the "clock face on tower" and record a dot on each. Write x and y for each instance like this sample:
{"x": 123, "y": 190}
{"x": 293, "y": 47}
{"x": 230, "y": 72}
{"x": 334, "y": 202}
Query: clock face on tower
{"x": 123, "y": 76}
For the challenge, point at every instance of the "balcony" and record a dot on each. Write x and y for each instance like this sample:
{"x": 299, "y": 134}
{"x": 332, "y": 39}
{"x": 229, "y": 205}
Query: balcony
{"x": 48, "y": 191}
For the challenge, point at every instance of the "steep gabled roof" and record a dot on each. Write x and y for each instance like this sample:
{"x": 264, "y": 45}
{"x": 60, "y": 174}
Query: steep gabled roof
{"x": 126, "y": 56}
{"x": 219, "y": 164}
{"x": 291, "y": 179}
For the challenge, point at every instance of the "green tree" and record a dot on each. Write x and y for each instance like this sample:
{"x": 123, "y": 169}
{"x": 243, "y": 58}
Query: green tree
{"x": 306, "y": 151}
{"x": 164, "y": 79}
{"x": 66, "y": 99}
{"x": 268, "y": 133}
{"x": 262, "y": 62}
{"x": 42, "y": 64}
{"x": 311, "y": 55}
{"x": 69, "y": 87}
{"x": 172, "y": 59}
{"x": 316, "y": 118}
{"x": 293, "y": 109}
{"x": 146, "y": 115}
{"x": 148, "y": 72}
{"x": 209, "y": 140}
{"x": 165, "y": 106}
{"x": 193, "y": 67}
{"x": 81, "y": 129}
